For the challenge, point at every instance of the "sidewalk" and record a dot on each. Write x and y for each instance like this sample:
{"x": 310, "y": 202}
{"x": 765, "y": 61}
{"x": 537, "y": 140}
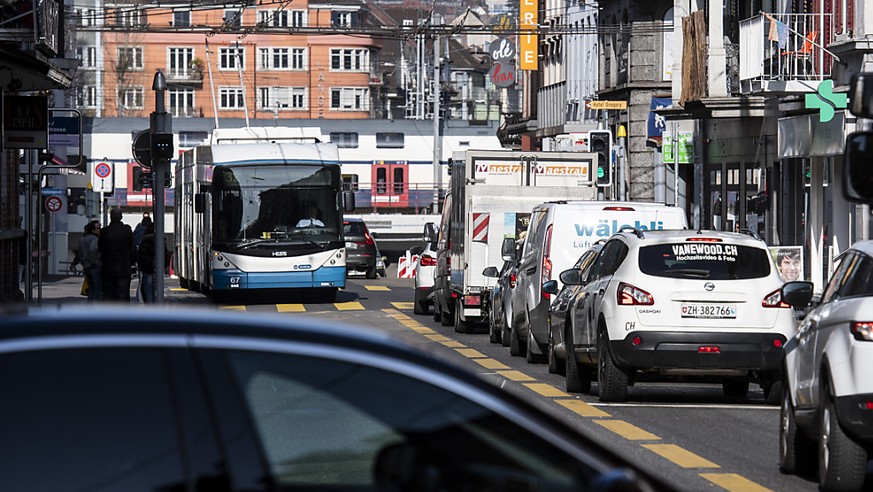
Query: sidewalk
{"x": 62, "y": 289}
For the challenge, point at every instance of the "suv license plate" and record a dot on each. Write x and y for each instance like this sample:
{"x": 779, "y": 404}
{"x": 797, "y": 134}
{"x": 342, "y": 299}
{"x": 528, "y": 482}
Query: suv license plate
{"x": 709, "y": 311}
{"x": 350, "y": 245}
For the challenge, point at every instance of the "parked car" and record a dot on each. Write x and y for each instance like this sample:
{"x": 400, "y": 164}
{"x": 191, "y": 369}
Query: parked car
{"x": 563, "y": 304}
{"x": 361, "y": 251}
{"x": 423, "y": 278}
{"x": 558, "y": 234}
{"x": 207, "y": 400}
{"x": 696, "y": 304}
{"x": 501, "y": 293}
{"x": 827, "y": 406}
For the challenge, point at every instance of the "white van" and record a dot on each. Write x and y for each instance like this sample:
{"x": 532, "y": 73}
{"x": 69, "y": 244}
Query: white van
{"x": 558, "y": 234}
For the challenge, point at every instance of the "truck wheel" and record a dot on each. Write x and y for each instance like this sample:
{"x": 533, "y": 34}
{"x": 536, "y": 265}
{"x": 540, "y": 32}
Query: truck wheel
{"x": 578, "y": 377}
{"x": 611, "y": 380}
{"x": 446, "y": 317}
{"x": 460, "y": 325}
{"x": 437, "y": 312}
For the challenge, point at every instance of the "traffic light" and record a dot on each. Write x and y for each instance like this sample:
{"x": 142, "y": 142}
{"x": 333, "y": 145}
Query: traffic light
{"x": 168, "y": 179}
{"x": 600, "y": 143}
{"x": 162, "y": 145}
{"x": 141, "y": 180}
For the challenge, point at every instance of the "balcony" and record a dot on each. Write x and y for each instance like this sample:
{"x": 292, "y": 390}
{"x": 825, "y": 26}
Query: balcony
{"x": 783, "y": 53}
{"x": 376, "y": 80}
{"x": 185, "y": 77}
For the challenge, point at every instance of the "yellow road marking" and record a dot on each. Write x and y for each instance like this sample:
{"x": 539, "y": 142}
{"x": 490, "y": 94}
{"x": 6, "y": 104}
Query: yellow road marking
{"x": 491, "y": 364}
{"x": 233, "y": 308}
{"x": 421, "y": 329}
{"x": 290, "y": 308}
{"x": 545, "y": 389}
{"x": 400, "y": 316}
{"x": 409, "y": 322}
{"x": 402, "y": 305}
{"x": 682, "y": 457}
{"x": 390, "y": 311}
{"x": 178, "y": 289}
{"x": 515, "y": 376}
{"x": 377, "y": 287}
{"x": 348, "y": 306}
{"x": 436, "y": 337}
{"x": 581, "y": 408}
{"x": 453, "y": 344}
{"x": 628, "y": 431}
{"x": 733, "y": 482}
{"x": 471, "y": 353}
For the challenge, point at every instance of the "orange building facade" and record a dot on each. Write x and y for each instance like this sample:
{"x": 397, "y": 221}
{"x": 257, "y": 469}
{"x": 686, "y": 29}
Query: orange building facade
{"x": 256, "y": 66}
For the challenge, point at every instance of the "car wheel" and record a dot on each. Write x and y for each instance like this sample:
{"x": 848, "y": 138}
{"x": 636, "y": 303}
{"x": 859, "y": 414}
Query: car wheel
{"x": 419, "y": 305}
{"x": 772, "y": 392}
{"x": 493, "y": 330}
{"x": 446, "y": 315}
{"x": 611, "y": 380}
{"x": 555, "y": 367}
{"x": 505, "y": 333}
{"x": 437, "y": 312}
{"x": 371, "y": 272}
{"x": 734, "y": 388}
{"x": 796, "y": 450}
{"x": 578, "y": 377}
{"x": 530, "y": 356}
{"x": 515, "y": 345}
{"x": 842, "y": 463}
{"x": 461, "y": 326}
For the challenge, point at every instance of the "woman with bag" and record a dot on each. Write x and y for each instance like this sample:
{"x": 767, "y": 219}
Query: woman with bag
{"x": 89, "y": 255}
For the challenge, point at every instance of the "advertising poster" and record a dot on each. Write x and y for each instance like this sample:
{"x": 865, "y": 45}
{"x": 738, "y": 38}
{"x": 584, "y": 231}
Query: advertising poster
{"x": 789, "y": 261}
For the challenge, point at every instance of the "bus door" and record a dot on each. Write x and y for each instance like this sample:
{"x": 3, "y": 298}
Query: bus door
{"x": 390, "y": 184}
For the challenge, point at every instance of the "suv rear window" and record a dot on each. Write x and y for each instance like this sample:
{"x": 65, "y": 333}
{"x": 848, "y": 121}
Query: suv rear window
{"x": 713, "y": 261}
{"x": 354, "y": 228}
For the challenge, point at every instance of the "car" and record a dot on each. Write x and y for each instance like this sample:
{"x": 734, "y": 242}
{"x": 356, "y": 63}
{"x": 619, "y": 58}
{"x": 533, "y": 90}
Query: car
{"x": 664, "y": 305}
{"x": 500, "y": 295}
{"x": 827, "y": 405}
{"x": 361, "y": 251}
{"x": 423, "y": 278}
{"x": 148, "y": 399}
{"x": 558, "y": 233}
{"x": 562, "y": 305}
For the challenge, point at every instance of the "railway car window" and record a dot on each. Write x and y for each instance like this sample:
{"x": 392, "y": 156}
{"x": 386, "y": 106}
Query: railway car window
{"x": 392, "y": 140}
{"x": 398, "y": 180}
{"x": 381, "y": 180}
{"x": 344, "y": 140}
{"x": 350, "y": 182}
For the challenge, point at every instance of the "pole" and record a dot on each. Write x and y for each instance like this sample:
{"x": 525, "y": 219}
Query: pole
{"x": 212, "y": 84}
{"x": 437, "y": 148}
{"x": 160, "y": 122}
{"x": 242, "y": 84}
{"x": 675, "y": 165}
{"x": 28, "y": 225}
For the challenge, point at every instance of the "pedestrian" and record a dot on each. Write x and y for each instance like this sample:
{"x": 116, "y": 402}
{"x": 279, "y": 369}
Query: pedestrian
{"x": 22, "y": 257}
{"x": 139, "y": 231}
{"x": 145, "y": 261}
{"x": 117, "y": 252}
{"x": 89, "y": 257}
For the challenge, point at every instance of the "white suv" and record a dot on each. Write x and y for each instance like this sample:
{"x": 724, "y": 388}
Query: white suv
{"x": 692, "y": 304}
{"x": 827, "y": 408}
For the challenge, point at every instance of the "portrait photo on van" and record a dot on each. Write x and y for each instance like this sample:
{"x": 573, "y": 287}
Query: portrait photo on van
{"x": 789, "y": 262}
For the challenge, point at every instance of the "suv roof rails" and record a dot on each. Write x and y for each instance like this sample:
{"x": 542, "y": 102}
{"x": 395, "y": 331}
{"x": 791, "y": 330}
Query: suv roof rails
{"x": 750, "y": 232}
{"x": 637, "y": 232}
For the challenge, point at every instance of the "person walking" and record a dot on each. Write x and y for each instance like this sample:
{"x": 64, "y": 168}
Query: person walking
{"x": 145, "y": 261}
{"x": 117, "y": 252}
{"x": 139, "y": 231}
{"x": 89, "y": 257}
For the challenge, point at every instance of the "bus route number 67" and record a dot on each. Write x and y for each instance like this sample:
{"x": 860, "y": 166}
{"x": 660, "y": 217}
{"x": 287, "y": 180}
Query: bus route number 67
{"x": 234, "y": 282}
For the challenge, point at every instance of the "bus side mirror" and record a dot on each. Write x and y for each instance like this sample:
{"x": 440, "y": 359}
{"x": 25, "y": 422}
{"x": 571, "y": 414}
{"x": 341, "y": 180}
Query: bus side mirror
{"x": 348, "y": 201}
{"x": 430, "y": 234}
{"x": 857, "y": 171}
{"x": 199, "y": 203}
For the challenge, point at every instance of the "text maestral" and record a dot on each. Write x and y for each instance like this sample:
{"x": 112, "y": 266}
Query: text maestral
{"x": 704, "y": 249}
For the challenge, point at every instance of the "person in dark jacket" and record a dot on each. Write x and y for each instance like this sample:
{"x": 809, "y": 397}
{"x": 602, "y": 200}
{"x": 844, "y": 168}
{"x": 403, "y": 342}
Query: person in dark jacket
{"x": 117, "y": 252}
{"x": 145, "y": 261}
{"x": 89, "y": 256}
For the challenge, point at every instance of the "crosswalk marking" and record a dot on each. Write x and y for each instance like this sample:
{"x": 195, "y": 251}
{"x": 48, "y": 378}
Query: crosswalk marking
{"x": 453, "y": 344}
{"x": 381, "y": 288}
{"x": 545, "y": 389}
{"x": 233, "y": 308}
{"x": 581, "y": 408}
{"x": 682, "y": 457}
{"x": 471, "y": 353}
{"x": 402, "y": 305}
{"x": 349, "y": 306}
{"x": 290, "y": 308}
{"x": 515, "y": 375}
{"x": 436, "y": 337}
{"x": 491, "y": 364}
{"x": 732, "y": 482}
{"x": 630, "y": 432}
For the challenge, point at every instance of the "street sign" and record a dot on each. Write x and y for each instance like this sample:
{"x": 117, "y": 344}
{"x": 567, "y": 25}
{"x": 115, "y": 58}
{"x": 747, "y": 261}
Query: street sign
{"x": 64, "y": 131}
{"x": 609, "y": 105}
{"x": 53, "y": 204}
{"x": 142, "y": 149}
{"x": 102, "y": 178}
{"x": 25, "y": 120}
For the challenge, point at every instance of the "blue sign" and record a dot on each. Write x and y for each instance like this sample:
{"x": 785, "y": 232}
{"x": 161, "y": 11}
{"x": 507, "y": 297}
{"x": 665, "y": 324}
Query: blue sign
{"x": 657, "y": 123}
{"x": 53, "y": 192}
{"x": 64, "y": 131}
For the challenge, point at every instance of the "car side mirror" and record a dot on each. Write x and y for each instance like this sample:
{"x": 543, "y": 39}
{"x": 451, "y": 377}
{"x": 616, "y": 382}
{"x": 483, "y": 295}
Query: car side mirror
{"x": 430, "y": 233}
{"x": 348, "y": 201}
{"x": 857, "y": 171}
{"x": 861, "y": 95}
{"x": 491, "y": 272}
{"x": 550, "y": 287}
{"x": 797, "y": 294}
{"x": 507, "y": 249}
{"x": 571, "y": 277}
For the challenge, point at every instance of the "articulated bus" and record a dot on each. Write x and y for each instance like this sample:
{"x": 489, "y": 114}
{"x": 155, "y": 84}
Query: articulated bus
{"x": 260, "y": 208}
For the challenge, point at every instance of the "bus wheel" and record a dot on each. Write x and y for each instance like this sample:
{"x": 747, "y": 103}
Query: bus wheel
{"x": 183, "y": 282}
{"x": 328, "y": 295}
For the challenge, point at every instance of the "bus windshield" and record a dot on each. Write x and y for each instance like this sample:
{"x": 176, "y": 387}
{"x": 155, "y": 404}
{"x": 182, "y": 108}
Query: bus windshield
{"x": 276, "y": 204}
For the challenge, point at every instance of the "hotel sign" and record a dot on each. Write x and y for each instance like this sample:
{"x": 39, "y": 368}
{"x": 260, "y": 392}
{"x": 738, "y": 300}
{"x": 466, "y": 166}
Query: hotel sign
{"x": 528, "y": 44}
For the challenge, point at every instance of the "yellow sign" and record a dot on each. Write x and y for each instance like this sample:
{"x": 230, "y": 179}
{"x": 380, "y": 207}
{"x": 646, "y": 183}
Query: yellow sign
{"x": 607, "y": 104}
{"x": 528, "y": 45}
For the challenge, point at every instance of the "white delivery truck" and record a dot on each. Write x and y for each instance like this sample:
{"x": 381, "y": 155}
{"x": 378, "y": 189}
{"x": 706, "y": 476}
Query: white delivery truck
{"x": 491, "y": 195}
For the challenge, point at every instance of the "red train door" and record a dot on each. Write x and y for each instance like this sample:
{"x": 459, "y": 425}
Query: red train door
{"x": 390, "y": 184}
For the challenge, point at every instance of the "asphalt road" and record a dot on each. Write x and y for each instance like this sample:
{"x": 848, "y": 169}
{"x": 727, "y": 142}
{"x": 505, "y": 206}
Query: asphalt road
{"x": 690, "y": 435}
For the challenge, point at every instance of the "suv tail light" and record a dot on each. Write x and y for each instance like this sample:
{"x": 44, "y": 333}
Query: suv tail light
{"x": 774, "y": 300}
{"x": 629, "y": 295}
{"x": 368, "y": 239}
{"x": 863, "y": 330}
{"x": 547, "y": 261}
{"x": 427, "y": 261}
{"x": 512, "y": 279}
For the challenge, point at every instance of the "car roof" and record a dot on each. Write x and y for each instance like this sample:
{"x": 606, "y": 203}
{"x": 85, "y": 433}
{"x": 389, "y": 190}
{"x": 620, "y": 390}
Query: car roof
{"x": 865, "y": 247}
{"x": 672, "y": 235}
{"x": 352, "y": 219}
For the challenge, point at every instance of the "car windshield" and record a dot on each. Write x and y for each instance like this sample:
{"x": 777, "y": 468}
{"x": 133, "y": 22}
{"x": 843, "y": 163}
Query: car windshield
{"x": 699, "y": 260}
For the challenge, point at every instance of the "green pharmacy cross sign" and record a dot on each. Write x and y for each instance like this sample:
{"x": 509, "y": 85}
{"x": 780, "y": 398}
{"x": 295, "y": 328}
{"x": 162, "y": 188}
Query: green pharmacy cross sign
{"x": 826, "y": 101}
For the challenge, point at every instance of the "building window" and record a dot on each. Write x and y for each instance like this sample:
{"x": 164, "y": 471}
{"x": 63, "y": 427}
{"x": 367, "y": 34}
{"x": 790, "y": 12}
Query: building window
{"x": 232, "y": 18}
{"x": 282, "y": 58}
{"x": 86, "y": 17}
{"x": 350, "y": 181}
{"x": 192, "y": 139}
{"x": 128, "y": 58}
{"x": 87, "y": 96}
{"x": 179, "y": 63}
{"x": 231, "y": 58}
{"x": 130, "y": 98}
{"x": 279, "y": 98}
{"x": 130, "y": 17}
{"x": 344, "y": 140}
{"x": 298, "y": 18}
{"x": 87, "y": 56}
{"x": 298, "y": 58}
{"x": 351, "y": 60}
{"x": 182, "y": 18}
{"x": 342, "y": 19}
{"x": 349, "y": 99}
{"x": 230, "y": 98}
{"x": 181, "y": 102}
{"x": 273, "y": 18}
{"x": 390, "y": 140}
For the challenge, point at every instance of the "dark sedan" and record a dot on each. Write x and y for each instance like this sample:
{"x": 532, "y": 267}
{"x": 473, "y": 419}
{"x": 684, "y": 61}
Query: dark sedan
{"x": 121, "y": 399}
{"x": 361, "y": 251}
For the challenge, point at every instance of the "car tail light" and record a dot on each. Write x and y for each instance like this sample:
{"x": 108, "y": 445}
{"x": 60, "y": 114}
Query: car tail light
{"x": 512, "y": 279}
{"x": 708, "y": 349}
{"x": 427, "y": 261}
{"x": 704, "y": 239}
{"x": 619, "y": 209}
{"x": 472, "y": 300}
{"x": 628, "y": 295}
{"x": 863, "y": 330}
{"x": 547, "y": 261}
{"x": 774, "y": 300}
{"x": 369, "y": 239}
